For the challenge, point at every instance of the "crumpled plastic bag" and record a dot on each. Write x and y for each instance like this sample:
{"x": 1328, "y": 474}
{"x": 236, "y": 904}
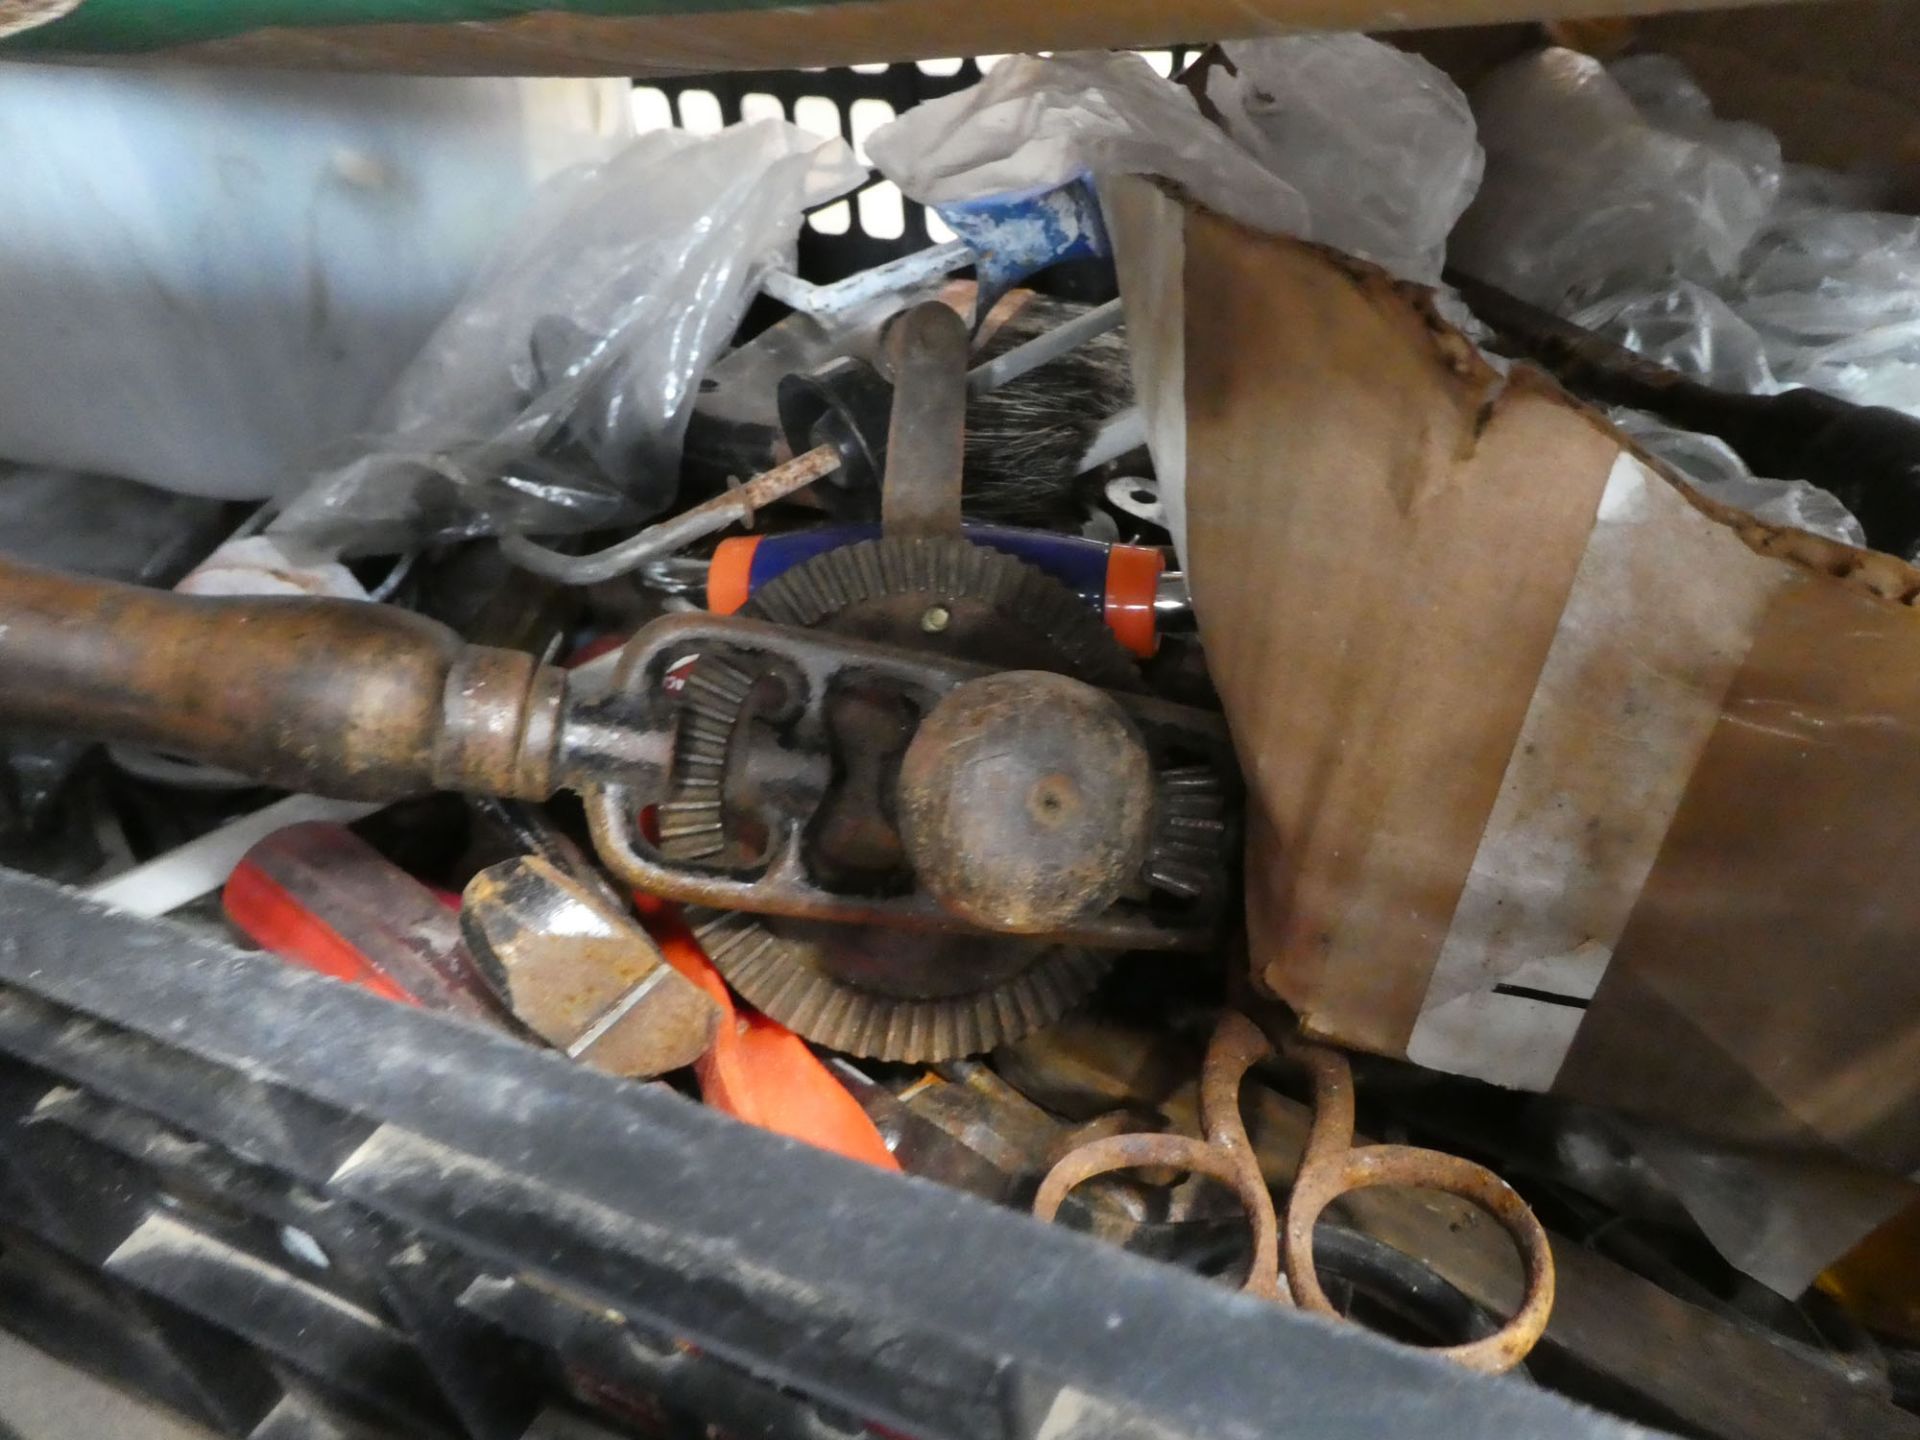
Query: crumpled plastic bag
{"x": 1034, "y": 123}
{"x": 1709, "y": 464}
{"x": 1828, "y": 287}
{"x": 1834, "y": 296}
{"x": 103, "y": 525}
{"x": 1666, "y": 95}
{"x": 208, "y": 275}
{"x": 1584, "y": 195}
{"x": 1335, "y": 138}
{"x": 1688, "y": 328}
{"x": 1692, "y": 244}
{"x": 554, "y": 398}
{"x": 1379, "y": 143}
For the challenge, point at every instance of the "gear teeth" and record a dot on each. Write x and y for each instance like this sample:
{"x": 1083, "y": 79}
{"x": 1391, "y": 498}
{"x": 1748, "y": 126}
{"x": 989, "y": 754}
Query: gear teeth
{"x": 1187, "y": 881}
{"x": 1190, "y": 833}
{"x": 944, "y": 571}
{"x": 719, "y": 681}
{"x": 692, "y": 818}
{"x": 898, "y": 1034}
{"x": 1007, "y": 1015}
{"x": 784, "y": 978}
{"x": 866, "y": 569}
{"x": 1189, "y": 777}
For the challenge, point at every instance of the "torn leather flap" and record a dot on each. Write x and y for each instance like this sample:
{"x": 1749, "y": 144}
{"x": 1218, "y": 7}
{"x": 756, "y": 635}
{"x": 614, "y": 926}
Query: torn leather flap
{"x": 1562, "y": 776}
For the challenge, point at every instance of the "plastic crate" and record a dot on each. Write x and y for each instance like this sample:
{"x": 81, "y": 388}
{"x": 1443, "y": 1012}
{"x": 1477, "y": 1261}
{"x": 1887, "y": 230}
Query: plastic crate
{"x": 877, "y": 223}
{"x": 289, "y": 1208}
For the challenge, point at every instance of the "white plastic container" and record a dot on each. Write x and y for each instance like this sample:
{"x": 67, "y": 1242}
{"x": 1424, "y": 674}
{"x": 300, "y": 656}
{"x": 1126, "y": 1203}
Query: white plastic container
{"x": 210, "y": 277}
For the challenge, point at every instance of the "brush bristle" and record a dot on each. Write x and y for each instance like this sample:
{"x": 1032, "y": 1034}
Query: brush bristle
{"x": 1025, "y": 440}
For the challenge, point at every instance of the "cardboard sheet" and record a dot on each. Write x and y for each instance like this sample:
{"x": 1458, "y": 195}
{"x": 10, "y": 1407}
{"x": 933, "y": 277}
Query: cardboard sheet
{"x": 1562, "y": 777}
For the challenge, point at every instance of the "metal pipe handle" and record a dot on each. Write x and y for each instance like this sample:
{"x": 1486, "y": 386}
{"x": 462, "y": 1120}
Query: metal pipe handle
{"x": 334, "y": 697}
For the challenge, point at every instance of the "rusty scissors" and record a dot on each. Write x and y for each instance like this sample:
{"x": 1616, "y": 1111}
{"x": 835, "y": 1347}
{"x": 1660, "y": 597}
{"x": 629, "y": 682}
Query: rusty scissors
{"x": 1330, "y": 1166}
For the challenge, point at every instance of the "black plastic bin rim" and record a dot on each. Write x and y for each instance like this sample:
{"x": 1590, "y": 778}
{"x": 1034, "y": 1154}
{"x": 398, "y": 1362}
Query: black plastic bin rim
{"x": 894, "y": 1299}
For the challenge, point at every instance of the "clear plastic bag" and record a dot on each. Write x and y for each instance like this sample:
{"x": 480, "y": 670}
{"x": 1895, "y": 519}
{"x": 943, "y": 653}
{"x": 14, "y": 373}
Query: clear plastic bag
{"x": 1834, "y": 296}
{"x": 1688, "y": 328}
{"x": 208, "y": 275}
{"x": 1616, "y": 196}
{"x": 1379, "y": 143}
{"x": 1584, "y": 195}
{"x": 555, "y": 396}
{"x": 1034, "y": 123}
{"x": 1710, "y": 466}
{"x": 1683, "y": 236}
{"x": 1666, "y": 95}
{"x": 102, "y": 525}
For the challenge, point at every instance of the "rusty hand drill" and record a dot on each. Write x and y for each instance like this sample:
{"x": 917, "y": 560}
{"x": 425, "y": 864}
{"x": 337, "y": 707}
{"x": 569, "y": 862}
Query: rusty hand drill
{"x": 369, "y": 702}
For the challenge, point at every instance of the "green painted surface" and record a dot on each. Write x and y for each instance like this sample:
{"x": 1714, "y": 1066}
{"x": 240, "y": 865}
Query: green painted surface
{"x": 103, "y": 27}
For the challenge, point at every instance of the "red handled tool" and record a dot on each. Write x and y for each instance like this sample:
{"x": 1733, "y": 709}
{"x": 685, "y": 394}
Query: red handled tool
{"x": 759, "y": 1071}
{"x": 320, "y": 896}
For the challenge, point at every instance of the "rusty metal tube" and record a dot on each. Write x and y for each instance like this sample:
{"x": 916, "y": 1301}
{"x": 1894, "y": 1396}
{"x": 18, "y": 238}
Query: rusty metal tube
{"x": 334, "y": 697}
{"x": 669, "y": 537}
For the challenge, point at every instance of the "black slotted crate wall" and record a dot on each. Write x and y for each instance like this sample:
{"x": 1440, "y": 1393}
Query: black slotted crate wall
{"x": 826, "y": 257}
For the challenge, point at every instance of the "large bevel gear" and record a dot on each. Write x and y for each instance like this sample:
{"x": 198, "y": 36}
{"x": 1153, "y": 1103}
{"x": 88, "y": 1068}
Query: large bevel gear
{"x": 893, "y": 994}
{"x": 897, "y": 994}
{"x": 952, "y": 597}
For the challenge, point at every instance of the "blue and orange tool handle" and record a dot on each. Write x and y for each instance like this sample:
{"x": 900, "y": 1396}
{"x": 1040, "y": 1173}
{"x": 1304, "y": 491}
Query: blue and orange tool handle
{"x": 1120, "y": 581}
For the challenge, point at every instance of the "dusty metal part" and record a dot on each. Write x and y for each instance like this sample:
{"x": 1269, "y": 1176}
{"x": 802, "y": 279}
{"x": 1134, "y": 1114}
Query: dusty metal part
{"x": 854, "y": 838}
{"x": 926, "y": 442}
{"x": 1331, "y": 1166}
{"x": 669, "y": 537}
{"x": 963, "y": 1125}
{"x": 921, "y": 1146}
{"x": 1173, "y": 602}
{"x": 863, "y": 991}
{"x": 1083, "y": 1068}
{"x": 1629, "y": 1341}
{"x": 529, "y": 829}
{"x": 992, "y": 609}
{"x": 353, "y": 700}
{"x": 896, "y": 277}
{"x": 501, "y": 731}
{"x": 1026, "y": 801}
{"x": 978, "y": 1108}
{"x": 676, "y": 575}
{"x": 329, "y": 696}
{"x": 615, "y": 754}
{"x": 1139, "y": 497}
{"x": 832, "y": 852}
{"x": 968, "y": 1126}
{"x": 582, "y": 975}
